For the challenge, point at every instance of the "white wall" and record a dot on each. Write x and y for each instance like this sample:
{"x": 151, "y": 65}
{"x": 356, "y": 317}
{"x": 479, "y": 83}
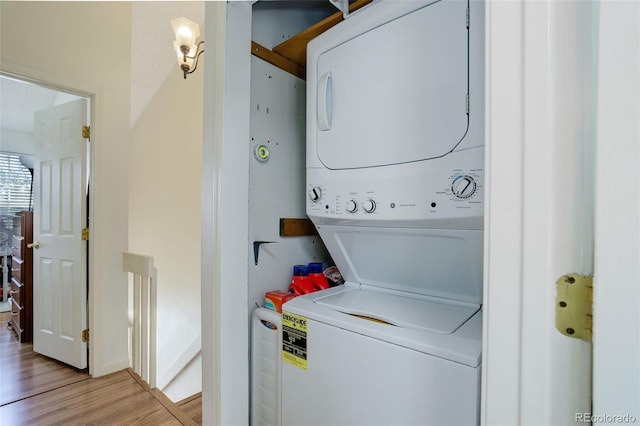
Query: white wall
{"x": 17, "y": 142}
{"x": 85, "y": 47}
{"x": 277, "y": 186}
{"x": 164, "y": 216}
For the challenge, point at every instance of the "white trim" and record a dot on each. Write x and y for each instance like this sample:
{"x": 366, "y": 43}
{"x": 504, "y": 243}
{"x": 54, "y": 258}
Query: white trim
{"x": 53, "y": 82}
{"x": 225, "y": 247}
{"x": 538, "y": 227}
{"x": 503, "y": 250}
{"x": 215, "y": 18}
{"x": 184, "y": 359}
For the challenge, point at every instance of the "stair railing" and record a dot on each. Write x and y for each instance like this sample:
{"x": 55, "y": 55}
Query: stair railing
{"x": 143, "y": 336}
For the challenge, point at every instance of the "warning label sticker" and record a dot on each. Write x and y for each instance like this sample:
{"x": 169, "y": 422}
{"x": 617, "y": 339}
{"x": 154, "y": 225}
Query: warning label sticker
{"x": 294, "y": 340}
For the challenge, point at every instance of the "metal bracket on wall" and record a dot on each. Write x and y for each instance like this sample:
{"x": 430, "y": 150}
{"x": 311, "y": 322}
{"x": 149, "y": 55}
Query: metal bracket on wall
{"x": 256, "y": 248}
{"x": 342, "y": 5}
{"x": 574, "y": 302}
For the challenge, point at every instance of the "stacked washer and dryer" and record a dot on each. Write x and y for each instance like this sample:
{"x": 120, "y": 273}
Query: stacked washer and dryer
{"x": 395, "y": 170}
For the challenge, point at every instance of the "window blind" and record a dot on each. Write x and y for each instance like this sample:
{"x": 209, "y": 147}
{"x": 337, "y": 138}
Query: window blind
{"x": 15, "y": 184}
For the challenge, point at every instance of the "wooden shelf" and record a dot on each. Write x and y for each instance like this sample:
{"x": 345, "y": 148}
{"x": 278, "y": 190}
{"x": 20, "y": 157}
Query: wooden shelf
{"x": 277, "y": 60}
{"x": 291, "y": 55}
{"x": 291, "y": 227}
{"x": 295, "y": 48}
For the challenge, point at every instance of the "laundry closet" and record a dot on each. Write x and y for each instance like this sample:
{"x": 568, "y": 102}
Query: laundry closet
{"x": 539, "y": 110}
{"x": 371, "y": 158}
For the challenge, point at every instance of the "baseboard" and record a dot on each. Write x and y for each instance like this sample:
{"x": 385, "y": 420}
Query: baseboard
{"x": 108, "y": 368}
{"x": 188, "y": 355}
{"x": 189, "y": 399}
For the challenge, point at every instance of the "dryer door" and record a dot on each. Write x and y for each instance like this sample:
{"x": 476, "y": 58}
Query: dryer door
{"x": 395, "y": 93}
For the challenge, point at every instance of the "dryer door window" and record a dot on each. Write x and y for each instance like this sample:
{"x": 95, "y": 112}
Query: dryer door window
{"x": 396, "y": 93}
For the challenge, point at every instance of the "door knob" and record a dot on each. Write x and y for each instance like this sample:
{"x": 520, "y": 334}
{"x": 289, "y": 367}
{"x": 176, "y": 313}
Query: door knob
{"x": 34, "y": 245}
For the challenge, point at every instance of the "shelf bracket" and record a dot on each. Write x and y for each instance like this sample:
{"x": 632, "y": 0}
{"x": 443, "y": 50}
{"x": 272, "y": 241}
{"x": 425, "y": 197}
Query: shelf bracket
{"x": 342, "y": 5}
{"x": 256, "y": 248}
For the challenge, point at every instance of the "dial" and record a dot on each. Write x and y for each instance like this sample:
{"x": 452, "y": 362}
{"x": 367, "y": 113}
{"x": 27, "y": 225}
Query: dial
{"x": 352, "y": 206}
{"x": 463, "y": 186}
{"x": 315, "y": 194}
{"x": 369, "y": 206}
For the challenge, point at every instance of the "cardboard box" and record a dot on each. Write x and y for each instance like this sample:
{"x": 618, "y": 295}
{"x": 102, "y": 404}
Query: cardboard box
{"x": 275, "y": 299}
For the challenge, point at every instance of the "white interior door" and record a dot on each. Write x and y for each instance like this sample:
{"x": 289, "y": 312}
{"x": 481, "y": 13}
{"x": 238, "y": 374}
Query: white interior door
{"x": 59, "y": 275}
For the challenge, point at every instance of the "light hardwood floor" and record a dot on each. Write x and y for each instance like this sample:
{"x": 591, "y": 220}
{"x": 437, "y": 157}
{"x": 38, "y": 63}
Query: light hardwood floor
{"x": 35, "y": 390}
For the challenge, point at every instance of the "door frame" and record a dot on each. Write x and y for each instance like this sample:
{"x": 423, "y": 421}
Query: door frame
{"x": 95, "y": 110}
{"x": 616, "y": 310}
{"x": 225, "y": 210}
{"x": 538, "y": 203}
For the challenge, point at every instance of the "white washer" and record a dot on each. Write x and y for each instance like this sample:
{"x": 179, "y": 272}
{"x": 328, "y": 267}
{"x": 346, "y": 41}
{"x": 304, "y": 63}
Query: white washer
{"x": 395, "y": 178}
{"x": 365, "y": 354}
{"x": 356, "y": 377}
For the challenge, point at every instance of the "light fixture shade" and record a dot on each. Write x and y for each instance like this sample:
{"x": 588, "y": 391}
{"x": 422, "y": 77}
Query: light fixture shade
{"x": 187, "y": 32}
{"x": 186, "y": 44}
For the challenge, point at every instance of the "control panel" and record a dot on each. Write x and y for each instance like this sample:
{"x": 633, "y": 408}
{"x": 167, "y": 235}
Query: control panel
{"x": 451, "y": 194}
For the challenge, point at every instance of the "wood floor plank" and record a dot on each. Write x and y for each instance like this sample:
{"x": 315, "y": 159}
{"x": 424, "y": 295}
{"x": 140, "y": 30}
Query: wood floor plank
{"x": 192, "y": 407}
{"x": 36, "y": 390}
{"x": 113, "y": 399}
{"x": 176, "y": 411}
{"x": 26, "y": 373}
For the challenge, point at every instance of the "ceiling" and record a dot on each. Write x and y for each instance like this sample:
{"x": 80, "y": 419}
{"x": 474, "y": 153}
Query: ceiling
{"x": 153, "y": 60}
{"x": 19, "y": 100}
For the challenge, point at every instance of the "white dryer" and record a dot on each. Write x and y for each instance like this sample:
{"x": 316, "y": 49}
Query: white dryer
{"x": 395, "y": 157}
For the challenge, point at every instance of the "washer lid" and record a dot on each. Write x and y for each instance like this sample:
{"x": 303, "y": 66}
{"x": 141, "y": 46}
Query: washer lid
{"x": 463, "y": 346}
{"x": 440, "y": 263}
{"x": 430, "y": 314}
{"x": 395, "y": 92}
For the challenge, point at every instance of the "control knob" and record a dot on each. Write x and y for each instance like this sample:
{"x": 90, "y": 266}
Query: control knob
{"x": 315, "y": 194}
{"x": 369, "y": 206}
{"x": 352, "y": 206}
{"x": 463, "y": 186}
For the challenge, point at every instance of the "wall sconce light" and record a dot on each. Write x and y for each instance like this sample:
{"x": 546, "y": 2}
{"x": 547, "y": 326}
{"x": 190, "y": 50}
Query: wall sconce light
{"x": 187, "y": 33}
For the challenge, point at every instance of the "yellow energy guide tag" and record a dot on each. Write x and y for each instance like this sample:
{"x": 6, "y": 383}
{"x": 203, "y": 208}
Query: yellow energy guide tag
{"x": 294, "y": 340}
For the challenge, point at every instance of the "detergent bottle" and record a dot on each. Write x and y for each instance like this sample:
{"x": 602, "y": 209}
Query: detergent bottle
{"x": 301, "y": 282}
{"x": 317, "y": 277}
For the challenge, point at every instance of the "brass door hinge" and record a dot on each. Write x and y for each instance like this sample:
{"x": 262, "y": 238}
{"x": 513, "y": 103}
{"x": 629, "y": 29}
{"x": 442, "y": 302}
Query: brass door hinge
{"x": 85, "y": 335}
{"x": 574, "y": 306}
{"x": 85, "y": 234}
{"x": 86, "y": 132}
